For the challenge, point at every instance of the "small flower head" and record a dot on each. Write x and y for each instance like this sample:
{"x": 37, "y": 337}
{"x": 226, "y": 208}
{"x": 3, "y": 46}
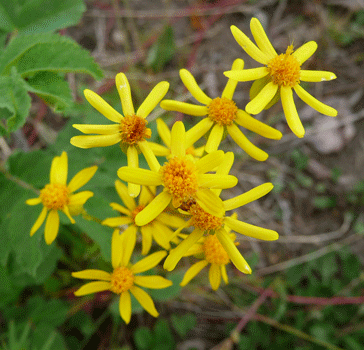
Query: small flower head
{"x": 58, "y": 196}
{"x": 130, "y": 130}
{"x": 278, "y": 76}
{"x": 222, "y": 111}
{"x": 124, "y": 278}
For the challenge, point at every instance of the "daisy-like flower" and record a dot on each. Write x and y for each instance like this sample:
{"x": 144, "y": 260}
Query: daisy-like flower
{"x": 182, "y": 179}
{"x": 130, "y": 130}
{"x": 158, "y": 229}
{"x": 213, "y": 253}
{"x": 204, "y": 222}
{"x": 280, "y": 74}
{"x": 165, "y": 135}
{"x": 58, "y": 196}
{"x": 221, "y": 114}
{"x": 124, "y": 279}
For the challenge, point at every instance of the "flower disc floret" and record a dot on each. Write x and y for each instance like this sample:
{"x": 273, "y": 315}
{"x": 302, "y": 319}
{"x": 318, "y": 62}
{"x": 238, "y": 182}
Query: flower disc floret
{"x": 54, "y": 196}
{"x": 122, "y": 279}
{"x": 179, "y": 177}
{"x": 134, "y": 129}
{"x": 203, "y": 220}
{"x": 222, "y": 111}
{"x": 284, "y": 69}
{"x": 214, "y": 251}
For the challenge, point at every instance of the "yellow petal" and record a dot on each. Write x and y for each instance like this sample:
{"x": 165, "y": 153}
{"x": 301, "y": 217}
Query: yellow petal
{"x": 247, "y": 74}
{"x": 184, "y": 107}
{"x": 51, "y": 227}
{"x": 230, "y": 87}
{"x": 33, "y": 201}
{"x": 139, "y": 176}
{"x": 120, "y": 208}
{"x": 125, "y": 306}
{"x": 257, "y": 104}
{"x": 133, "y": 163}
{"x": 98, "y": 129}
{"x": 38, "y": 223}
{"x": 261, "y": 38}
{"x": 210, "y": 202}
{"x": 103, "y": 107}
{"x": 144, "y": 300}
{"x": 178, "y": 140}
{"x": 68, "y": 214}
{"x": 153, "y": 209}
{"x": 92, "y": 287}
{"x": 215, "y": 137}
{"x": 147, "y": 238}
{"x": 164, "y": 131}
{"x": 149, "y": 156}
{"x": 129, "y": 240}
{"x": 92, "y": 275}
{"x": 59, "y": 169}
{"x": 217, "y": 181}
{"x": 122, "y": 191}
{"x": 148, "y": 262}
{"x": 215, "y": 276}
{"x": 147, "y": 194}
{"x": 193, "y": 272}
{"x": 118, "y": 221}
{"x": 252, "y": 50}
{"x": 154, "y": 97}
{"x": 209, "y": 162}
{"x": 79, "y": 199}
{"x": 315, "y": 76}
{"x": 290, "y": 111}
{"x": 116, "y": 248}
{"x": 248, "y": 197}
{"x": 248, "y": 122}
{"x": 224, "y": 274}
{"x": 95, "y": 140}
{"x": 153, "y": 282}
{"x": 242, "y": 141}
{"x": 81, "y": 178}
{"x": 197, "y": 131}
{"x": 159, "y": 150}
{"x": 233, "y": 252}
{"x": 170, "y": 220}
{"x": 304, "y": 52}
{"x": 160, "y": 233}
{"x": 224, "y": 167}
{"x": 314, "y": 103}
{"x": 177, "y": 253}
{"x": 251, "y": 230}
{"x": 123, "y": 88}
{"x": 192, "y": 86}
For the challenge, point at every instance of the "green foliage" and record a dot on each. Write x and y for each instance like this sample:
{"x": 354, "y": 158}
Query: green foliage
{"x": 183, "y": 324}
{"x": 162, "y": 51}
{"x": 39, "y": 16}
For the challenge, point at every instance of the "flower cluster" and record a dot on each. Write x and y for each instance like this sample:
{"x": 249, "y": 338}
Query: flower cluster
{"x": 180, "y": 205}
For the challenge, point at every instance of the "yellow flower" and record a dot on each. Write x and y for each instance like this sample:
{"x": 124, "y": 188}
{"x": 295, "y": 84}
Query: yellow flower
{"x": 213, "y": 253}
{"x": 130, "y": 130}
{"x": 280, "y": 74}
{"x": 165, "y": 135}
{"x": 57, "y": 195}
{"x": 204, "y": 222}
{"x": 222, "y": 115}
{"x": 124, "y": 280}
{"x": 182, "y": 179}
{"x": 158, "y": 229}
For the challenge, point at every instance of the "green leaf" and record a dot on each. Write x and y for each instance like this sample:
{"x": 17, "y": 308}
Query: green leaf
{"x": 14, "y": 103}
{"x": 163, "y": 337}
{"x": 162, "y": 51}
{"x": 52, "y": 88}
{"x": 324, "y": 202}
{"x": 143, "y": 338}
{"x": 183, "y": 324}
{"x": 39, "y": 15}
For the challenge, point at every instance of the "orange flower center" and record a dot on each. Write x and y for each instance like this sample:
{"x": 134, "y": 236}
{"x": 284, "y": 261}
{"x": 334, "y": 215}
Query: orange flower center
{"x": 204, "y": 221}
{"x": 136, "y": 211}
{"x": 179, "y": 177}
{"x": 222, "y": 111}
{"x": 55, "y": 196}
{"x": 214, "y": 251}
{"x": 284, "y": 69}
{"x": 122, "y": 279}
{"x": 134, "y": 129}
